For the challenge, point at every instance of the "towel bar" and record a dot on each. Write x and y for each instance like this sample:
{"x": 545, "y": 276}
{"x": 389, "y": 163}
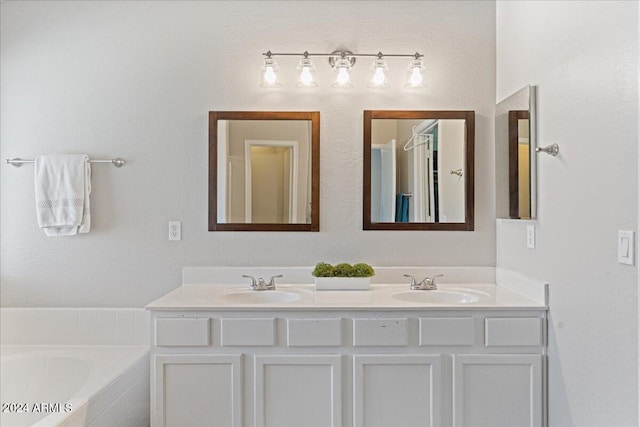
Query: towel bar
{"x": 17, "y": 162}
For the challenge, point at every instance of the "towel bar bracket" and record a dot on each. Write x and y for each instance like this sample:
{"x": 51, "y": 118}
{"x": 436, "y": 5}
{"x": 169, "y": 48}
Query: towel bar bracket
{"x": 15, "y": 162}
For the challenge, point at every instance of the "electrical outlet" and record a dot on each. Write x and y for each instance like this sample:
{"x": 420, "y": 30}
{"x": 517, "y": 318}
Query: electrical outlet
{"x": 531, "y": 236}
{"x": 175, "y": 230}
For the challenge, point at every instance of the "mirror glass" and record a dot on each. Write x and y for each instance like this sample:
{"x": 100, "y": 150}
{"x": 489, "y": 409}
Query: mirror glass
{"x": 515, "y": 155}
{"x": 265, "y": 171}
{"x": 418, "y": 170}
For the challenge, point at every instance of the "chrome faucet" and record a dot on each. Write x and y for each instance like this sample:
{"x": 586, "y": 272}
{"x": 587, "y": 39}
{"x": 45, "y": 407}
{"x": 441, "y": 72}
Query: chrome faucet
{"x": 260, "y": 284}
{"x": 427, "y": 284}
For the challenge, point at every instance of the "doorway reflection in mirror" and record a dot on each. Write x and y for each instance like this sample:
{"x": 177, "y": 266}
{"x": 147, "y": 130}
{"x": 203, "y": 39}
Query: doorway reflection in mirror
{"x": 410, "y": 179}
{"x": 260, "y": 180}
{"x": 264, "y": 171}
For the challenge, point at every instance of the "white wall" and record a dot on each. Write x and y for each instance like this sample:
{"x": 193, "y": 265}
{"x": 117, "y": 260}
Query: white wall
{"x": 136, "y": 80}
{"x": 584, "y": 58}
{"x": 451, "y": 156}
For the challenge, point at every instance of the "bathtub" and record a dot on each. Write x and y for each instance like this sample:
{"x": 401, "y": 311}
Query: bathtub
{"x": 69, "y": 386}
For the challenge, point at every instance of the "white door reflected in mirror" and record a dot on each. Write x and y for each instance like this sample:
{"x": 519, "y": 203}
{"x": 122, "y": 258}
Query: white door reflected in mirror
{"x": 418, "y": 170}
{"x": 419, "y": 178}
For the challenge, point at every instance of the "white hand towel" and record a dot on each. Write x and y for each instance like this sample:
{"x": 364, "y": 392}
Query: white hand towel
{"x": 63, "y": 185}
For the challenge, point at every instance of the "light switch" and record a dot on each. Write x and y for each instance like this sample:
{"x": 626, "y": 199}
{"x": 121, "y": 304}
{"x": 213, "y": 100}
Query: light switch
{"x": 626, "y": 247}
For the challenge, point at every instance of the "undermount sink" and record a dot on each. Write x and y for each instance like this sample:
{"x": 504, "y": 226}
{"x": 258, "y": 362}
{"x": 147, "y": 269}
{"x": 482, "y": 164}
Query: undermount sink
{"x": 440, "y": 297}
{"x": 258, "y": 297}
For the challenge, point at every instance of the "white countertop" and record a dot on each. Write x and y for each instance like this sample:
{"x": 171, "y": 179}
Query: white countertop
{"x": 380, "y": 297}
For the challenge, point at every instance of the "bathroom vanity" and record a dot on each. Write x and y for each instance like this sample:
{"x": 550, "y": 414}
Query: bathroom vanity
{"x": 467, "y": 354}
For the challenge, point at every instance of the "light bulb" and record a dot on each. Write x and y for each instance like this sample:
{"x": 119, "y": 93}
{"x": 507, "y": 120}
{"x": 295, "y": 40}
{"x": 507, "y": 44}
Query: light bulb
{"x": 415, "y": 79}
{"x": 306, "y": 73}
{"x": 343, "y": 79}
{"x": 269, "y": 73}
{"x": 343, "y": 76}
{"x": 305, "y": 76}
{"x": 379, "y": 76}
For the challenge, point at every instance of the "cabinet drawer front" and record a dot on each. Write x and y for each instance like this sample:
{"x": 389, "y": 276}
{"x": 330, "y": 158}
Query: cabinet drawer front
{"x": 523, "y": 331}
{"x": 182, "y": 331}
{"x": 255, "y": 332}
{"x": 382, "y": 332}
{"x": 314, "y": 332}
{"x": 447, "y": 331}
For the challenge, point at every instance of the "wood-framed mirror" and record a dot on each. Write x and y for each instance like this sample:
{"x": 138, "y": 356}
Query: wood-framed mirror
{"x": 264, "y": 171}
{"x": 515, "y": 150}
{"x": 418, "y": 170}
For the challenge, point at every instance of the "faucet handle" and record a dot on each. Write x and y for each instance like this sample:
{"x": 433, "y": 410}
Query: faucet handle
{"x": 413, "y": 280}
{"x": 433, "y": 279}
{"x": 272, "y": 283}
{"x": 253, "y": 280}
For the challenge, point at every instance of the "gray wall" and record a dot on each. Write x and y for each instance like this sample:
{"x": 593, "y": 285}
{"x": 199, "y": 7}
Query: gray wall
{"x": 584, "y": 58}
{"x": 136, "y": 80}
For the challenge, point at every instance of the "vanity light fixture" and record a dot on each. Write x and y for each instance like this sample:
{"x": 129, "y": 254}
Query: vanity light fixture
{"x": 379, "y": 73}
{"x": 342, "y": 61}
{"x": 270, "y": 76}
{"x": 306, "y": 72}
{"x": 342, "y": 67}
{"x": 415, "y": 79}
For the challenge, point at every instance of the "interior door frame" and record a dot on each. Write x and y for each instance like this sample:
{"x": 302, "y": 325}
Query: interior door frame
{"x": 293, "y": 173}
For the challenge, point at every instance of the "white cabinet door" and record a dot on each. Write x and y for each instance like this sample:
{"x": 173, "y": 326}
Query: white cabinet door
{"x": 497, "y": 390}
{"x": 295, "y": 391}
{"x": 197, "y": 390}
{"x": 397, "y": 390}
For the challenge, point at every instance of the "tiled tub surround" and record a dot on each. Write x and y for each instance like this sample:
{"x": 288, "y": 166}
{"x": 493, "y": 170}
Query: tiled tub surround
{"x": 349, "y": 358}
{"x": 97, "y": 360}
{"x": 67, "y": 326}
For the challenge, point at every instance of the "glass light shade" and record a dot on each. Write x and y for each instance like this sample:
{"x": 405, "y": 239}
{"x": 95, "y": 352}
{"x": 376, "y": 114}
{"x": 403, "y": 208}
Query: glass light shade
{"x": 378, "y": 74}
{"x": 343, "y": 79}
{"x": 270, "y": 76}
{"x": 415, "y": 77}
{"x": 306, "y": 74}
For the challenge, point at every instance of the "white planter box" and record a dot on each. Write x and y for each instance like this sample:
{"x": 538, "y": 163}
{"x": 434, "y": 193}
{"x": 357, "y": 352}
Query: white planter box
{"x": 342, "y": 283}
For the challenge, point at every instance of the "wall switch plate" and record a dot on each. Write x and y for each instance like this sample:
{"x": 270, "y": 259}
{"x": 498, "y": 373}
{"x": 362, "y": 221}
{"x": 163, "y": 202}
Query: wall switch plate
{"x": 175, "y": 230}
{"x": 626, "y": 247}
{"x": 531, "y": 236}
